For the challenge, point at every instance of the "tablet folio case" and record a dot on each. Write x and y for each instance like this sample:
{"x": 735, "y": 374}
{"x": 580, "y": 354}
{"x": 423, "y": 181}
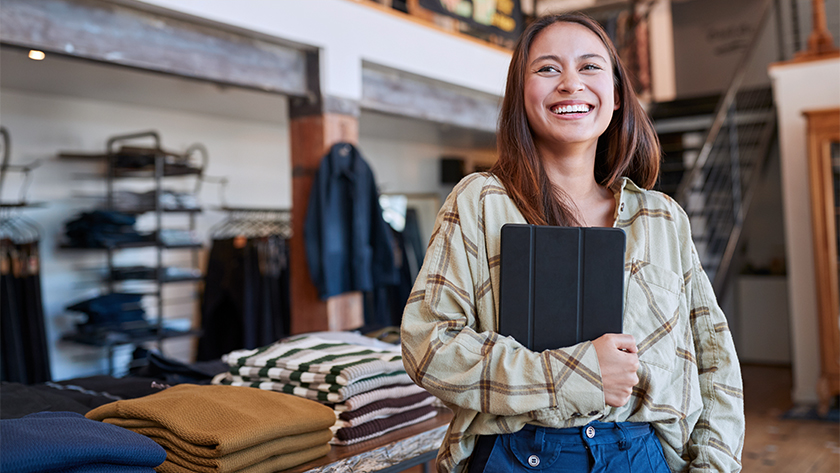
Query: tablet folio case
{"x": 560, "y": 285}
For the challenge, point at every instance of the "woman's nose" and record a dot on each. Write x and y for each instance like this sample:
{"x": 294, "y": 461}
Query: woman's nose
{"x": 570, "y": 83}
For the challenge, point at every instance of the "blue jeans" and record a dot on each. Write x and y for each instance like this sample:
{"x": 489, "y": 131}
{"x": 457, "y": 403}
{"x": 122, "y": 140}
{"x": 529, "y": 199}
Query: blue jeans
{"x": 621, "y": 447}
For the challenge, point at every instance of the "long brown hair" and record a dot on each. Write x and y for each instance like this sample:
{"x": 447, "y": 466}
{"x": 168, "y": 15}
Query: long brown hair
{"x": 629, "y": 146}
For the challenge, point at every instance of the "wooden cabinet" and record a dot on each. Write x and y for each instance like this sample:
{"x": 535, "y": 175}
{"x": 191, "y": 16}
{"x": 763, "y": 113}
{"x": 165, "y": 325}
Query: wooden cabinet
{"x": 824, "y": 169}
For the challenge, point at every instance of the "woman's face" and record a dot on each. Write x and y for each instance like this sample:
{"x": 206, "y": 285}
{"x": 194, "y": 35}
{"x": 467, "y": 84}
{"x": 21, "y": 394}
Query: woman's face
{"x": 569, "y": 91}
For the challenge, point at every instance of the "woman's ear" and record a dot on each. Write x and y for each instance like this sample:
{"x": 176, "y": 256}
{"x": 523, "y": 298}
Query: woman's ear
{"x": 617, "y": 100}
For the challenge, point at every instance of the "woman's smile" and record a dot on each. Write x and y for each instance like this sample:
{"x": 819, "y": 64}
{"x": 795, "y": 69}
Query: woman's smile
{"x": 571, "y": 109}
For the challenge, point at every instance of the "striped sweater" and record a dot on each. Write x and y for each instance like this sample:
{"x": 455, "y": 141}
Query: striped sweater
{"x": 316, "y": 368}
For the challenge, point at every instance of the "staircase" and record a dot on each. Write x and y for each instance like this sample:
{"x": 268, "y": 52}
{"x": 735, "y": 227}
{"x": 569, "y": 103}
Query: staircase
{"x": 715, "y": 149}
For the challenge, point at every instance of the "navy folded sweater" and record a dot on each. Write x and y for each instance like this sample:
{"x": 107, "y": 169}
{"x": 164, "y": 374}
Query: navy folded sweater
{"x": 68, "y": 442}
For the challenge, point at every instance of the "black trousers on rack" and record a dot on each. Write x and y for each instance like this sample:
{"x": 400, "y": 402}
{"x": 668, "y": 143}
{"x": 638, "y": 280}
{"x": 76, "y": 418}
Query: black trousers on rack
{"x": 385, "y": 305}
{"x": 246, "y": 295}
{"x": 24, "y": 351}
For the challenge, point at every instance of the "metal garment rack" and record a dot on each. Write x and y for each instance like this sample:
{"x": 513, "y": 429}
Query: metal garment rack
{"x": 253, "y": 222}
{"x": 13, "y": 225}
{"x": 160, "y": 169}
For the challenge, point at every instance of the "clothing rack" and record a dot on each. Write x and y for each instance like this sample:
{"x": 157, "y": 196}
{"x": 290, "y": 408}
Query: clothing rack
{"x": 5, "y": 168}
{"x": 245, "y": 303}
{"x": 141, "y": 157}
{"x": 253, "y": 222}
{"x": 13, "y": 225}
{"x": 25, "y": 352}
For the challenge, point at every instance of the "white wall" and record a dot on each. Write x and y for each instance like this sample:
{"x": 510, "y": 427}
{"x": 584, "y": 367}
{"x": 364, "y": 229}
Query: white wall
{"x": 762, "y": 335}
{"x": 350, "y": 32}
{"x": 798, "y": 87}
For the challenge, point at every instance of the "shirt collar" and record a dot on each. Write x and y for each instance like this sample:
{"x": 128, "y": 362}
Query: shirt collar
{"x": 623, "y": 183}
{"x": 343, "y": 159}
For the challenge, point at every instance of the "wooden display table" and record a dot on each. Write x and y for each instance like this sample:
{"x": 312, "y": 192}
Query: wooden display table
{"x": 394, "y": 451}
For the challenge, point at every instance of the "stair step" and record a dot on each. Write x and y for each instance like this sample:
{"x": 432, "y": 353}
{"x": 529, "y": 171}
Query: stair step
{"x": 706, "y": 105}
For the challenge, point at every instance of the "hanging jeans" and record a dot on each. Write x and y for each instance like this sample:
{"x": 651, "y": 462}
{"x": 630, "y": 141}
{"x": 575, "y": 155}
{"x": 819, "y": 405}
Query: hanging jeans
{"x": 246, "y": 296}
{"x": 599, "y": 447}
{"x": 24, "y": 352}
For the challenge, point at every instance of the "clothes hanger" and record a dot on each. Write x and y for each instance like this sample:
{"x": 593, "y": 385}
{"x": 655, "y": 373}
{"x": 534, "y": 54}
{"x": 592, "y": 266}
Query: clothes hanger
{"x": 253, "y": 223}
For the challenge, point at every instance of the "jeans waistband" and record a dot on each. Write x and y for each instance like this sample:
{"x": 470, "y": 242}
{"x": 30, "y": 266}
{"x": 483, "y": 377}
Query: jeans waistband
{"x": 603, "y": 432}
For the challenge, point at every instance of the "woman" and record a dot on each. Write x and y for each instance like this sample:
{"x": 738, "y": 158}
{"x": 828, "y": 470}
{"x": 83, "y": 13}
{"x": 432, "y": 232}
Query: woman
{"x": 575, "y": 148}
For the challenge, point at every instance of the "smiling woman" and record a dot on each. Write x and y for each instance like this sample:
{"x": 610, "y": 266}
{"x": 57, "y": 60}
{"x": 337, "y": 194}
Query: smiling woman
{"x": 569, "y": 60}
{"x": 575, "y": 149}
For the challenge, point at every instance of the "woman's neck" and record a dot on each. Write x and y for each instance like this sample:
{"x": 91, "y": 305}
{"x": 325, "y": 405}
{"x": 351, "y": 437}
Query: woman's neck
{"x": 571, "y": 169}
{"x": 574, "y": 174}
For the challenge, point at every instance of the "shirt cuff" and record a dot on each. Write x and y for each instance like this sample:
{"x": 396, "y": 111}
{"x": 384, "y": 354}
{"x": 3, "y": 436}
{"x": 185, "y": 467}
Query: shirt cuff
{"x": 579, "y": 392}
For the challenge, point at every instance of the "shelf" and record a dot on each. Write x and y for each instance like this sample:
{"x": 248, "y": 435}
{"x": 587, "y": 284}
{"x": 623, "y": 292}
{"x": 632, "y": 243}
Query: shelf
{"x": 111, "y": 337}
{"x": 139, "y": 211}
{"x": 136, "y": 244}
{"x": 148, "y": 273}
{"x": 150, "y": 163}
{"x": 22, "y": 205}
{"x": 149, "y": 173}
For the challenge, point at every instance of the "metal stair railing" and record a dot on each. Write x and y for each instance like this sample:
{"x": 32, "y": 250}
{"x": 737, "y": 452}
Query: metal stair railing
{"x": 717, "y": 188}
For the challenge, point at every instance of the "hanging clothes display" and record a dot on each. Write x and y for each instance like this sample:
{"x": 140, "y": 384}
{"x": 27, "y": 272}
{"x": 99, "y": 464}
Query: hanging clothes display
{"x": 246, "y": 289}
{"x": 385, "y": 305}
{"x": 348, "y": 244}
{"x": 25, "y": 355}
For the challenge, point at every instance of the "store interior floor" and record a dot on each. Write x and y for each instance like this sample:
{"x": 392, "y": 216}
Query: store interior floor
{"x": 774, "y": 444}
{"x": 780, "y": 445}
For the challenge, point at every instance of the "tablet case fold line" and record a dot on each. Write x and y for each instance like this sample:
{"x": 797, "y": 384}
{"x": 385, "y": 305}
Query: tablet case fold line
{"x": 531, "y": 286}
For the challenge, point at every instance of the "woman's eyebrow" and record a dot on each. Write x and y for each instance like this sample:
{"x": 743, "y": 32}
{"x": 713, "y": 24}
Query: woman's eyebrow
{"x": 554, "y": 57}
{"x": 593, "y": 55}
{"x": 544, "y": 57}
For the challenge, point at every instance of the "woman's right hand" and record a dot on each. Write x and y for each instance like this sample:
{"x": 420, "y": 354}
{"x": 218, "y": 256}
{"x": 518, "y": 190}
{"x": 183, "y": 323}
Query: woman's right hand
{"x": 619, "y": 362}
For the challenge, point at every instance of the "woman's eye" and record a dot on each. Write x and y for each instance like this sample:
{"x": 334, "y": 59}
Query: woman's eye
{"x": 548, "y": 69}
{"x": 591, "y": 67}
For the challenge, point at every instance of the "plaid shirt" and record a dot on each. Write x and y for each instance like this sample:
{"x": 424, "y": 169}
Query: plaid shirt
{"x": 690, "y": 386}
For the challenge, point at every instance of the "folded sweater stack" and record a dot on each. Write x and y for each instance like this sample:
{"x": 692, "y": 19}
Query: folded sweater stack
{"x": 367, "y": 386}
{"x": 67, "y": 442}
{"x": 217, "y": 429}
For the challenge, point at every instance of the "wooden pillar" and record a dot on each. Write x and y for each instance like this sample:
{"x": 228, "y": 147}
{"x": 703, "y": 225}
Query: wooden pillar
{"x": 313, "y": 131}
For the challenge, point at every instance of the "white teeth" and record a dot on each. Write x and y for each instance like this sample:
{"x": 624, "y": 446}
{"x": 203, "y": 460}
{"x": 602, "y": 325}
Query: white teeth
{"x": 571, "y": 109}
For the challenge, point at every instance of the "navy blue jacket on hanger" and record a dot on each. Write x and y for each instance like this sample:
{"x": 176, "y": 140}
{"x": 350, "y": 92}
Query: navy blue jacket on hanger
{"x": 348, "y": 244}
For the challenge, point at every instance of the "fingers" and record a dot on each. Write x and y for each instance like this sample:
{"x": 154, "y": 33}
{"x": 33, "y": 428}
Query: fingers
{"x": 625, "y": 342}
{"x": 618, "y": 397}
{"x": 619, "y": 363}
{"x": 620, "y": 388}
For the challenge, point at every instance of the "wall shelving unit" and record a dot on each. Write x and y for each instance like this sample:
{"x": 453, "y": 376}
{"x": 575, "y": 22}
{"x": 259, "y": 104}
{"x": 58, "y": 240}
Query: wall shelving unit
{"x": 158, "y": 166}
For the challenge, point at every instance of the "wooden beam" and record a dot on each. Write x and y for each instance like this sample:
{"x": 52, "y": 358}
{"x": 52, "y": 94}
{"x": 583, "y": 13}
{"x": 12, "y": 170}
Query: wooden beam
{"x": 404, "y": 94}
{"x": 312, "y": 133}
{"x": 119, "y": 34}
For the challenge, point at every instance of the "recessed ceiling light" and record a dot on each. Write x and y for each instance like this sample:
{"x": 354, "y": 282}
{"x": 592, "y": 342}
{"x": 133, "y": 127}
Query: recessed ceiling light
{"x": 36, "y": 55}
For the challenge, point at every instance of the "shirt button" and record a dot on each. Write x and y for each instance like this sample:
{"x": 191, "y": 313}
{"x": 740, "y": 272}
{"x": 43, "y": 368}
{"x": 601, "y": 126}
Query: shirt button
{"x": 576, "y": 414}
{"x": 534, "y": 461}
{"x": 621, "y": 207}
{"x": 590, "y": 431}
{"x": 594, "y": 413}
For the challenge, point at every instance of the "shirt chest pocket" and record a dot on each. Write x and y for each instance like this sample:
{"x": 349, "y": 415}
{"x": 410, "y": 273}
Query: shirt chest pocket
{"x": 651, "y": 312}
